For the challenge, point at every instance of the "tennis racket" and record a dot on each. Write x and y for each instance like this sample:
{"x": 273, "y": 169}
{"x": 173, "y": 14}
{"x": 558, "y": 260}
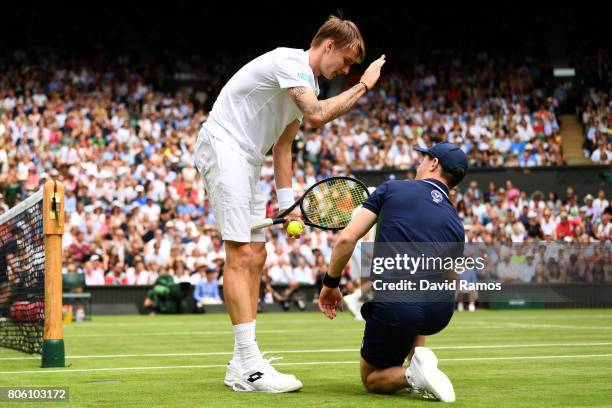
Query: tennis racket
{"x": 327, "y": 205}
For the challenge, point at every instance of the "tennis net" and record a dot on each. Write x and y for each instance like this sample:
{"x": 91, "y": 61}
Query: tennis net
{"x": 22, "y": 275}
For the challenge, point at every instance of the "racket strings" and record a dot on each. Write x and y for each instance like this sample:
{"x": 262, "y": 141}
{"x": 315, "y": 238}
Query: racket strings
{"x": 331, "y": 204}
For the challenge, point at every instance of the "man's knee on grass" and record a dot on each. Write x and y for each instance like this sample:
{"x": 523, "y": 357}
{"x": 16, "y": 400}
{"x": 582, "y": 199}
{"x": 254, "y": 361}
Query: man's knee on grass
{"x": 373, "y": 383}
{"x": 365, "y": 370}
{"x": 382, "y": 380}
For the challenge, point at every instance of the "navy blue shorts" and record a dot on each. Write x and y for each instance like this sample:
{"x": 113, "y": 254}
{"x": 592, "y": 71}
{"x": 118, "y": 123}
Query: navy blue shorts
{"x": 392, "y": 327}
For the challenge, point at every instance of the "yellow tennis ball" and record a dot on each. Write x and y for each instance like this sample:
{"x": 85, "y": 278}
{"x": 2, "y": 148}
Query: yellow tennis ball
{"x": 294, "y": 228}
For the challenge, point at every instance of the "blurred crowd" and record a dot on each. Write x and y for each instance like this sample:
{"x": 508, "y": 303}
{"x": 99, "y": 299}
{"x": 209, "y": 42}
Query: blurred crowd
{"x": 538, "y": 237}
{"x": 135, "y": 204}
{"x": 597, "y": 124}
{"x": 509, "y": 215}
{"x": 595, "y": 110}
{"x": 550, "y": 263}
{"x": 499, "y": 116}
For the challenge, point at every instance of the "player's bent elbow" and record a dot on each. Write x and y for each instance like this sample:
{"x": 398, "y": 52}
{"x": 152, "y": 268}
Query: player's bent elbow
{"x": 345, "y": 238}
{"x": 280, "y": 148}
{"x": 315, "y": 121}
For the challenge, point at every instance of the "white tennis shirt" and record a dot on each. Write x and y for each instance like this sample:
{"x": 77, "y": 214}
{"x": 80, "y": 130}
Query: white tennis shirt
{"x": 254, "y": 107}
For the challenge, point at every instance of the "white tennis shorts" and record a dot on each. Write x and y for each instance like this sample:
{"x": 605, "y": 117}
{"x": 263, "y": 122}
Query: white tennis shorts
{"x": 233, "y": 188}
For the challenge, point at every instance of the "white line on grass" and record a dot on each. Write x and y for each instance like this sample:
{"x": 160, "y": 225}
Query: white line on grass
{"x": 83, "y": 370}
{"x": 214, "y": 323}
{"x": 339, "y": 350}
{"x": 525, "y": 357}
{"x": 356, "y": 329}
{"x": 499, "y": 346}
{"x": 203, "y": 322}
{"x": 209, "y": 332}
{"x": 326, "y": 330}
{"x": 537, "y": 326}
{"x": 211, "y": 353}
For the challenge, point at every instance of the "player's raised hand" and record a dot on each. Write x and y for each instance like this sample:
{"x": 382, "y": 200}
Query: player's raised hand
{"x": 329, "y": 300}
{"x": 371, "y": 75}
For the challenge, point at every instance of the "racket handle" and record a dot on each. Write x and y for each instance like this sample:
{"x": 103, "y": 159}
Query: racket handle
{"x": 262, "y": 224}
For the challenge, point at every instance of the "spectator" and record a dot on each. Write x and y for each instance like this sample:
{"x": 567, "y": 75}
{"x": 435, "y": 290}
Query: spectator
{"x": 79, "y": 249}
{"x": 534, "y": 229}
{"x": 565, "y": 228}
{"x": 555, "y": 273}
{"x": 601, "y": 273}
{"x": 207, "y": 289}
{"x": 116, "y": 276}
{"x": 601, "y": 202}
{"x": 589, "y": 209}
{"x": 179, "y": 272}
{"x": 527, "y": 271}
{"x": 507, "y": 272}
{"x": 303, "y": 274}
{"x": 540, "y": 273}
{"x": 604, "y": 230}
{"x": 156, "y": 255}
{"x": 138, "y": 274}
{"x": 94, "y": 273}
{"x": 603, "y": 154}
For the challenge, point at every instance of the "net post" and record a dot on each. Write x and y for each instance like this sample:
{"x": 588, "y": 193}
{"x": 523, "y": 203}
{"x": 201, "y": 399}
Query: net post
{"x": 53, "y": 354}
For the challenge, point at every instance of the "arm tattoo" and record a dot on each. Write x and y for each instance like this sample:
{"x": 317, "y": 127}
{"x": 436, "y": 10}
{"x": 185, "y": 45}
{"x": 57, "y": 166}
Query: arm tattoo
{"x": 309, "y": 109}
{"x": 328, "y": 109}
{"x": 297, "y": 91}
{"x": 340, "y": 104}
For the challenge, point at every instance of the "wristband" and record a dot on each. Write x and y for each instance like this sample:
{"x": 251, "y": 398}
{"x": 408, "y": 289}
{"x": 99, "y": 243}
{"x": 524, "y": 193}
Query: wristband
{"x": 365, "y": 86}
{"x": 285, "y": 198}
{"x": 330, "y": 281}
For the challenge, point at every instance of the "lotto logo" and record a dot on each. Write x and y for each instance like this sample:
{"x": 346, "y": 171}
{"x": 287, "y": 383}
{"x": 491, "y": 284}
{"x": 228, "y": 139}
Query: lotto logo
{"x": 255, "y": 376}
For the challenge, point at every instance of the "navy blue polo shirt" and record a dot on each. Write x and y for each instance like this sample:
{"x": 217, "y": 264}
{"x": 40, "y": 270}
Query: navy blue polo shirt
{"x": 415, "y": 211}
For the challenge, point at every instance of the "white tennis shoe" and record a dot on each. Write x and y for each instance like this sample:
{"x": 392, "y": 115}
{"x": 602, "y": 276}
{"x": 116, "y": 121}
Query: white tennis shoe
{"x": 262, "y": 378}
{"x": 353, "y": 304}
{"x": 232, "y": 373}
{"x": 423, "y": 375}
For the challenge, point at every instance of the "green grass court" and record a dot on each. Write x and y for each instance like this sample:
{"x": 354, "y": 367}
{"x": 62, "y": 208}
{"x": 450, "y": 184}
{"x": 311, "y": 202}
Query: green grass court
{"x": 560, "y": 358}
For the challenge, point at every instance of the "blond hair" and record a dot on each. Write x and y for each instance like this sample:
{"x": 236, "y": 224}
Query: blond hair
{"x": 344, "y": 33}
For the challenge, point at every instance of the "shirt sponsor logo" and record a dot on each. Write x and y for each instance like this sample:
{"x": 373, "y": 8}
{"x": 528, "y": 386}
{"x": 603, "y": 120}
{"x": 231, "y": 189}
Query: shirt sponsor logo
{"x": 304, "y": 76}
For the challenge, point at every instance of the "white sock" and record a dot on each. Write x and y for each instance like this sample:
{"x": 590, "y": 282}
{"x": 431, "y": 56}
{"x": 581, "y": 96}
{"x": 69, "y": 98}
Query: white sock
{"x": 248, "y": 350}
{"x": 236, "y": 355}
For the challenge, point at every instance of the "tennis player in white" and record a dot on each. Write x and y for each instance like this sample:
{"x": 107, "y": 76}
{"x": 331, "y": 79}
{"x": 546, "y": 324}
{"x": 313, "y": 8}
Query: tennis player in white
{"x": 262, "y": 107}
